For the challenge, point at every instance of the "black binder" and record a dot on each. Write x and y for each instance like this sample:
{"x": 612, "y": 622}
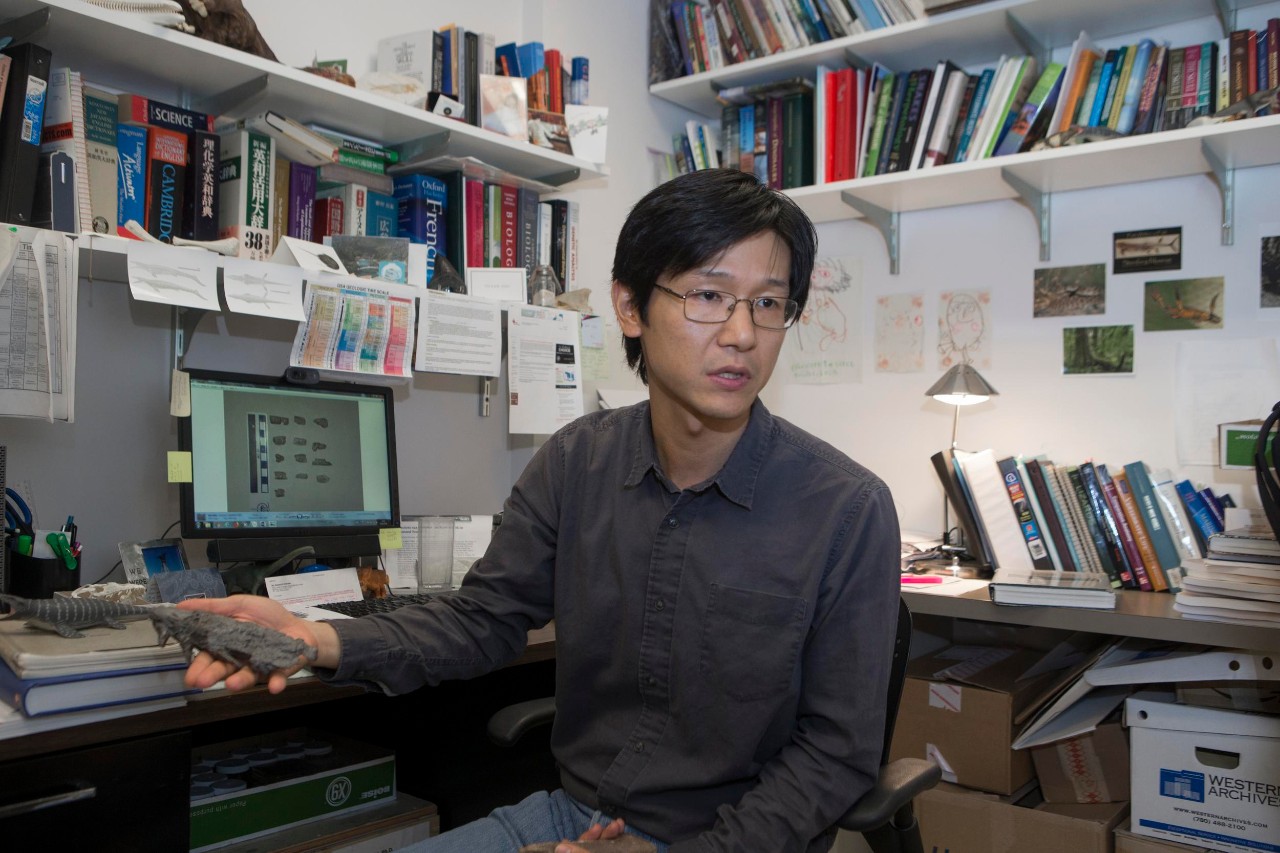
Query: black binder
{"x": 21, "y": 122}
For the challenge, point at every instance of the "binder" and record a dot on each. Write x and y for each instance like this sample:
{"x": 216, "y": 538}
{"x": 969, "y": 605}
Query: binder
{"x": 21, "y": 120}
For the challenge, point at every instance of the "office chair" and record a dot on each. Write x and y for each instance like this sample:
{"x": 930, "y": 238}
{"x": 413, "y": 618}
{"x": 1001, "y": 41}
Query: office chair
{"x": 883, "y": 815}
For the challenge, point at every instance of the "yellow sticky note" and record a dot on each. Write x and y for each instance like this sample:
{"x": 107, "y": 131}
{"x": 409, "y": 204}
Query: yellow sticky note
{"x": 390, "y": 538}
{"x": 179, "y": 466}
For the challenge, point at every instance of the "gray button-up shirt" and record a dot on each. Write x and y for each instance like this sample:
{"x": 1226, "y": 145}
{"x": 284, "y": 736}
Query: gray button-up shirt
{"x": 722, "y": 652}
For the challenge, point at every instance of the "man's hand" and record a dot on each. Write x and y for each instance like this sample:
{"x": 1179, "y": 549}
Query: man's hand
{"x": 607, "y": 838}
{"x": 205, "y": 670}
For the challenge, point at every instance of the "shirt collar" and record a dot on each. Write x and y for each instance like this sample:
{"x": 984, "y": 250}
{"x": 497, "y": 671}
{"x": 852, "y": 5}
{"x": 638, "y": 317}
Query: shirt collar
{"x": 737, "y": 479}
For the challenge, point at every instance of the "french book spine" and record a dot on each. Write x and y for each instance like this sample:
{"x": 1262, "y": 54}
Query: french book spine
{"x": 1107, "y": 525}
{"x": 302, "y": 202}
{"x": 200, "y": 216}
{"x": 131, "y": 197}
{"x": 382, "y": 216}
{"x": 104, "y": 160}
{"x": 1093, "y": 527}
{"x": 166, "y": 182}
{"x": 135, "y": 109}
{"x": 509, "y": 226}
{"x": 1141, "y": 535}
{"x": 1124, "y": 532}
{"x": 246, "y": 186}
{"x": 21, "y": 123}
{"x": 1021, "y": 502}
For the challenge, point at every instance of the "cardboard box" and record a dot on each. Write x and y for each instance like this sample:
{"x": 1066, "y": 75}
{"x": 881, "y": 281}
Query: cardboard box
{"x": 1237, "y": 442}
{"x": 315, "y": 775}
{"x": 1089, "y": 768}
{"x": 1204, "y": 775}
{"x": 959, "y": 707}
{"x": 1127, "y": 842}
{"x": 958, "y": 820}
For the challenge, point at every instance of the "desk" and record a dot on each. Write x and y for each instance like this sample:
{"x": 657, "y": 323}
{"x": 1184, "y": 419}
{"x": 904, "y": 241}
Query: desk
{"x": 1137, "y": 614}
{"x": 220, "y": 706}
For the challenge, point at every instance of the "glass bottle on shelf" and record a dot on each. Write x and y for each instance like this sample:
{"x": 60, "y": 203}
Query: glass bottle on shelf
{"x": 543, "y": 286}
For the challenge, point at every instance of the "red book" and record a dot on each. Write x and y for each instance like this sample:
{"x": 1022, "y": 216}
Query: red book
{"x": 554, "y": 62}
{"x": 327, "y": 221}
{"x": 1251, "y": 76}
{"x": 837, "y": 129}
{"x": 773, "y": 121}
{"x": 1273, "y": 52}
{"x": 510, "y": 225}
{"x": 475, "y": 222}
{"x": 166, "y": 182}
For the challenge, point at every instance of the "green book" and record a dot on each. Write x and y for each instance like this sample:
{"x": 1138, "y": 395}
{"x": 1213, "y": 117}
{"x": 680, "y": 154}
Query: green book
{"x": 884, "y": 95}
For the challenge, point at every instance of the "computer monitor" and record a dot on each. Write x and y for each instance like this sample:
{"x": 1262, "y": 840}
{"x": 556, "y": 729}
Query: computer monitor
{"x": 276, "y": 465}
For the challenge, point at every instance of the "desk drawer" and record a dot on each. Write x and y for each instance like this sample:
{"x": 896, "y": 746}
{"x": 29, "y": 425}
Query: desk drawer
{"x": 127, "y": 796}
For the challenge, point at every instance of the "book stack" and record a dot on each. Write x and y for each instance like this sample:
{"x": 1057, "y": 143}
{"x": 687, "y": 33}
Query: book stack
{"x": 105, "y": 673}
{"x": 1127, "y": 526}
{"x": 1238, "y": 580}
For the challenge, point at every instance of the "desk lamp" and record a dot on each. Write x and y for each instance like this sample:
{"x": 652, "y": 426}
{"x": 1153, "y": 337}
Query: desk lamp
{"x": 960, "y": 386}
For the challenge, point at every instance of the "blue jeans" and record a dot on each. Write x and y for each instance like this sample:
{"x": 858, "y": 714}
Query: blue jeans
{"x": 539, "y": 817}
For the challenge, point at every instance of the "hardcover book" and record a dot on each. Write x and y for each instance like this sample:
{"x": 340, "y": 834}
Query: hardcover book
{"x": 421, "y": 203}
{"x": 1052, "y": 515}
{"x": 1054, "y": 589}
{"x": 328, "y": 218}
{"x": 135, "y": 109}
{"x": 302, "y": 202}
{"x": 1022, "y": 512}
{"x": 21, "y": 122}
{"x": 246, "y": 186}
{"x": 383, "y": 215}
{"x": 200, "y": 216}
{"x": 36, "y": 697}
{"x": 131, "y": 186}
{"x": 355, "y": 206}
{"x": 166, "y": 182}
{"x": 64, "y": 130}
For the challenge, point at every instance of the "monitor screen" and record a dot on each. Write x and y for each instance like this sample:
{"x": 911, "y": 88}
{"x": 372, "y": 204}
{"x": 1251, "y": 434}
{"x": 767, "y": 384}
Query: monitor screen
{"x": 272, "y": 460}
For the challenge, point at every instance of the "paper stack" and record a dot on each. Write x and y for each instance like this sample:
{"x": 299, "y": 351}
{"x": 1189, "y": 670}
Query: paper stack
{"x": 1239, "y": 580}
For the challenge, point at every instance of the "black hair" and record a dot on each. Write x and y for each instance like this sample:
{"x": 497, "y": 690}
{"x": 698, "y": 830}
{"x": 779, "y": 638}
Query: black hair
{"x": 695, "y": 218}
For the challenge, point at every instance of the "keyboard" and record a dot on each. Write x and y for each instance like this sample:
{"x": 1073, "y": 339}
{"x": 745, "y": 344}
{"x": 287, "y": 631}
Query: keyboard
{"x": 377, "y": 605}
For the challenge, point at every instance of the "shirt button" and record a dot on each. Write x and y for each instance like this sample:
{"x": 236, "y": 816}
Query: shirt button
{"x": 659, "y": 605}
{"x": 673, "y": 522}
{"x": 651, "y": 681}
{"x": 639, "y": 746}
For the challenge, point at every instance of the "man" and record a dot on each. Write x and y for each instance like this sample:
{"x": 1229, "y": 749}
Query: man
{"x": 724, "y": 585}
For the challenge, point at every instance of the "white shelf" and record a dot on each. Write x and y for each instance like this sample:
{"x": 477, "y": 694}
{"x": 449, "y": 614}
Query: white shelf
{"x": 117, "y": 51}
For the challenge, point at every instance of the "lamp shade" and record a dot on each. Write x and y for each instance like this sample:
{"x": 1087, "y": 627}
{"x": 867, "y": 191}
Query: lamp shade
{"x": 961, "y": 386}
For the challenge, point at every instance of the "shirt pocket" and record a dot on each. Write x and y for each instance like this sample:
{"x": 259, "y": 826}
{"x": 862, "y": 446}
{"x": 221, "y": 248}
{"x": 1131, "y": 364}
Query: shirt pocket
{"x": 750, "y": 641}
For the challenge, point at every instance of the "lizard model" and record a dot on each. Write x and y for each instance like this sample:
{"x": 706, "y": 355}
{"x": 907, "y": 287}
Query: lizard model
{"x": 65, "y": 616}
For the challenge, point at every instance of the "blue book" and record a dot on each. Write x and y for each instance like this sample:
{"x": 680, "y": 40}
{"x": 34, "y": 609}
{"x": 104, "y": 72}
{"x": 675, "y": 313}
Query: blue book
{"x": 746, "y": 139}
{"x": 57, "y": 694}
{"x": 1104, "y": 83}
{"x": 532, "y": 57}
{"x": 511, "y": 55}
{"x": 868, "y": 14}
{"x": 1133, "y": 89}
{"x": 1144, "y": 492}
{"x": 131, "y": 188}
{"x": 446, "y": 58}
{"x": 1203, "y": 523}
{"x": 421, "y": 201}
{"x": 979, "y": 102}
{"x": 382, "y": 215}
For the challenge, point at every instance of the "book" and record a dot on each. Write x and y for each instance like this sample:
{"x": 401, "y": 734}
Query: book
{"x": 33, "y": 653}
{"x": 1063, "y": 491}
{"x": 527, "y": 227}
{"x": 1022, "y": 511}
{"x": 54, "y": 205}
{"x": 21, "y": 122}
{"x": 901, "y": 141}
{"x": 1253, "y": 540}
{"x": 166, "y": 182}
{"x": 64, "y": 130}
{"x": 928, "y": 116}
{"x": 1134, "y": 82}
{"x": 1050, "y": 588}
{"x": 327, "y": 218}
{"x": 1153, "y": 517}
{"x": 1049, "y": 511}
{"x": 382, "y": 219}
{"x": 246, "y": 187}
{"x": 409, "y": 54}
{"x": 875, "y": 136}
{"x": 1043, "y": 97}
{"x": 1038, "y": 511}
{"x": 797, "y": 140}
{"x": 994, "y": 108}
{"x": 896, "y": 105}
{"x": 1203, "y": 522}
{"x": 974, "y": 538}
{"x": 1091, "y": 526}
{"x": 200, "y": 214}
{"x": 330, "y": 175}
{"x": 1107, "y": 527}
{"x": 1133, "y": 533}
{"x": 1151, "y": 97}
{"x": 1142, "y": 535}
{"x": 938, "y": 149}
{"x": 504, "y": 105}
{"x": 138, "y": 110}
{"x": 302, "y": 202}
{"x": 1174, "y": 512}
{"x": 421, "y": 201}
{"x": 1022, "y": 79}
{"x": 56, "y": 694}
{"x": 976, "y": 108}
{"x": 355, "y": 206}
{"x": 1074, "y": 79}
{"x": 991, "y": 501}
{"x": 131, "y": 183}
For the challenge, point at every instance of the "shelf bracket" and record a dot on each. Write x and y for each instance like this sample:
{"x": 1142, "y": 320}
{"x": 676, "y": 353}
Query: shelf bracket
{"x": 1226, "y": 10}
{"x": 1027, "y": 39}
{"x": 184, "y": 325}
{"x": 1226, "y": 178}
{"x": 886, "y": 221}
{"x": 856, "y": 60}
{"x": 236, "y": 98}
{"x": 1038, "y": 201}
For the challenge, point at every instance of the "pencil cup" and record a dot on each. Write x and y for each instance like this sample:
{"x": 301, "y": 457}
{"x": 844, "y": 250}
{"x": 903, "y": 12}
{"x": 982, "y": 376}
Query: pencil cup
{"x": 33, "y": 577}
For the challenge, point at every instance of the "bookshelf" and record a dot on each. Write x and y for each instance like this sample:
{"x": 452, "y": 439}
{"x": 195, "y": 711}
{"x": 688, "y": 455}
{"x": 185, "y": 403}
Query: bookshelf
{"x": 974, "y": 37}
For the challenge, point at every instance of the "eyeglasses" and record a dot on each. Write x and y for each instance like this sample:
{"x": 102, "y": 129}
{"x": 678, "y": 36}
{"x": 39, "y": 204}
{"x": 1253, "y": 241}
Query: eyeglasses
{"x": 716, "y": 306}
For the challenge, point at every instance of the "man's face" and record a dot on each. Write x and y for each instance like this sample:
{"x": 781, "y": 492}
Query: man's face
{"x": 711, "y": 372}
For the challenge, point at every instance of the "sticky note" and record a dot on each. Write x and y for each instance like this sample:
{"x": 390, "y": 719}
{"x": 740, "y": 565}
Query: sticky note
{"x": 389, "y": 538}
{"x": 179, "y": 466}
{"x": 180, "y": 394}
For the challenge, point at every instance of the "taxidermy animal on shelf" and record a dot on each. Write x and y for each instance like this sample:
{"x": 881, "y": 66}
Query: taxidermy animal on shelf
{"x": 227, "y": 23}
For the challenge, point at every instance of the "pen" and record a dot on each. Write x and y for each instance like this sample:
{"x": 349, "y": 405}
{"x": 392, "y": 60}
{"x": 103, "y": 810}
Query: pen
{"x": 923, "y": 578}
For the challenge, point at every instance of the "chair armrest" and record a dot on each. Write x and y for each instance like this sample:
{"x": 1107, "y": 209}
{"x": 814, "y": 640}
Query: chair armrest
{"x": 899, "y": 783}
{"x": 509, "y": 724}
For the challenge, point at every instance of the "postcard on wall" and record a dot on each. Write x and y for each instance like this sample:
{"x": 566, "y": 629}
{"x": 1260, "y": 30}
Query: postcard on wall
{"x": 1097, "y": 349}
{"x": 1070, "y": 291}
{"x": 964, "y": 328}
{"x": 1147, "y": 251}
{"x": 588, "y": 131}
{"x": 549, "y": 131}
{"x": 1188, "y": 303}
{"x": 825, "y": 344}
{"x": 899, "y": 339}
{"x": 1269, "y": 264}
